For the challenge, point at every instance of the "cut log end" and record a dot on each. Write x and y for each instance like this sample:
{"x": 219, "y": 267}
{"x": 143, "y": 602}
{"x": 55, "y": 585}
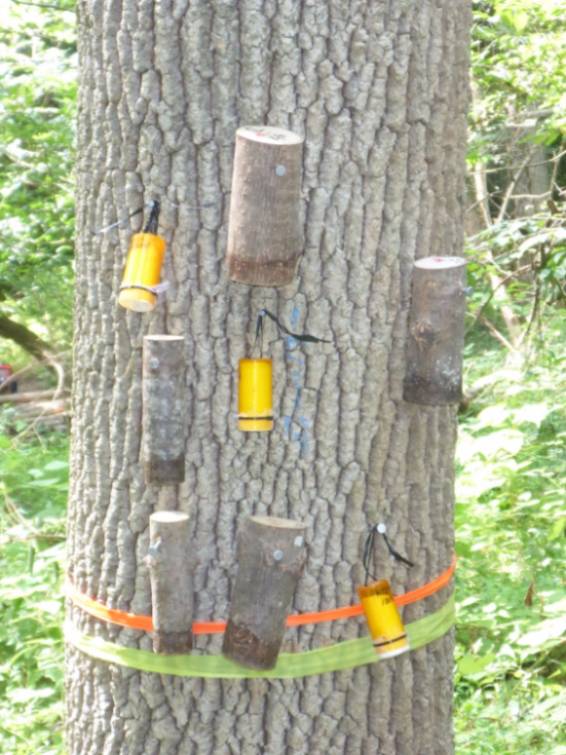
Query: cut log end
{"x": 242, "y": 646}
{"x": 417, "y": 390}
{"x": 440, "y": 263}
{"x": 169, "y": 517}
{"x": 161, "y": 338}
{"x": 269, "y": 135}
{"x": 160, "y": 471}
{"x": 253, "y": 273}
{"x": 278, "y": 523}
{"x": 172, "y": 643}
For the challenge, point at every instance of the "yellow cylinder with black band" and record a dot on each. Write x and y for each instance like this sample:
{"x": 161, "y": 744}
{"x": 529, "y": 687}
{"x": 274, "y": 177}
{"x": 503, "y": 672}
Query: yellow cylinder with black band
{"x": 142, "y": 272}
{"x": 384, "y": 620}
{"x": 255, "y": 402}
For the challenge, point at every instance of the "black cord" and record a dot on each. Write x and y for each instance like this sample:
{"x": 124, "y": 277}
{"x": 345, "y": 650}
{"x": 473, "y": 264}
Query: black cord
{"x": 259, "y": 333}
{"x": 379, "y": 529}
{"x": 153, "y": 220}
{"x": 119, "y": 222}
{"x": 305, "y": 337}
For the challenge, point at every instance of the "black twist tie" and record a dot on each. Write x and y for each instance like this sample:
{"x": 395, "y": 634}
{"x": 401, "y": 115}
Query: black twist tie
{"x": 379, "y": 529}
{"x": 153, "y": 220}
{"x": 119, "y": 222}
{"x": 304, "y": 337}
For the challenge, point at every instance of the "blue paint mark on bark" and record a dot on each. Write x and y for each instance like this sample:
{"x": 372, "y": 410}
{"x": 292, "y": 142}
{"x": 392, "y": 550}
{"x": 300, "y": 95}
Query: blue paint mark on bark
{"x": 300, "y": 435}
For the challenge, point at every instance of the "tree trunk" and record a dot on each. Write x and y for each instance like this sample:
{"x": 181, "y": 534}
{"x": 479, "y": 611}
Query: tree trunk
{"x": 379, "y": 90}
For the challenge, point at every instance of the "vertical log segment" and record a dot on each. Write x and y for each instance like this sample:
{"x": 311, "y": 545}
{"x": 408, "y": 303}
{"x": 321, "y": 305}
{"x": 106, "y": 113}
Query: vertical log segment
{"x": 265, "y": 235}
{"x": 271, "y": 556}
{"x": 436, "y": 332}
{"x": 171, "y": 583}
{"x": 164, "y": 409}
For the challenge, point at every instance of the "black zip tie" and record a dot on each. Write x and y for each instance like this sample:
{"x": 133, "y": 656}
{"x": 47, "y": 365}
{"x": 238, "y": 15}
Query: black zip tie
{"x": 305, "y": 337}
{"x": 153, "y": 220}
{"x": 379, "y": 529}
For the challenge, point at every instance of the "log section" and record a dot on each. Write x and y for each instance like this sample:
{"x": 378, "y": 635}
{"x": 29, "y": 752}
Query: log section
{"x": 436, "y": 332}
{"x": 271, "y": 556}
{"x": 171, "y": 583}
{"x": 265, "y": 235}
{"x": 164, "y": 409}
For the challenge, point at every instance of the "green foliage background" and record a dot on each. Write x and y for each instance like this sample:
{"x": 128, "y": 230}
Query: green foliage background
{"x": 510, "y": 517}
{"x": 38, "y": 62}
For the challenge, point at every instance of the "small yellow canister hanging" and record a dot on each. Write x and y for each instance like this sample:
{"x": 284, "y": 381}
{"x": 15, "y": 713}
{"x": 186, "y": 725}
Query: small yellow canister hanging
{"x": 384, "y": 621}
{"x": 142, "y": 273}
{"x": 382, "y": 615}
{"x": 255, "y": 385}
{"x": 255, "y": 395}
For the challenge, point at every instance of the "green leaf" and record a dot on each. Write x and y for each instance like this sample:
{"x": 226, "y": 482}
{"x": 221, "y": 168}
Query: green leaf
{"x": 558, "y": 529}
{"x": 544, "y": 632}
{"x": 25, "y": 695}
{"x": 56, "y": 465}
{"x": 471, "y": 665}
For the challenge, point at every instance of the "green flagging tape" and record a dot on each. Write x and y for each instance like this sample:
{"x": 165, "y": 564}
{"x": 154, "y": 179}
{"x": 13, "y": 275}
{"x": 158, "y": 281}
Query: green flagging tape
{"x": 338, "y": 657}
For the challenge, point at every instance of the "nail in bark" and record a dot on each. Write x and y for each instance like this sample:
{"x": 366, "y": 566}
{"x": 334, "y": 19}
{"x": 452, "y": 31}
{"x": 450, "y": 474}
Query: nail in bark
{"x": 265, "y": 236}
{"x": 271, "y": 556}
{"x": 164, "y": 409}
{"x": 171, "y": 583}
{"x": 436, "y": 332}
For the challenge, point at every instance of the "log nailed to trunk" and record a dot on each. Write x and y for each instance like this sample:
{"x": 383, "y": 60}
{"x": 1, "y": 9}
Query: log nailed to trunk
{"x": 271, "y": 557}
{"x": 171, "y": 584}
{"x": 164, "y": 409}
{"x": 435, "y": 341}
{"x": 265, "y": 236}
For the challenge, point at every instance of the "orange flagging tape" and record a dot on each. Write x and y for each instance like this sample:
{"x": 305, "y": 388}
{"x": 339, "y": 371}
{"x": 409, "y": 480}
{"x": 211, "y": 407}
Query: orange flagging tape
{"x": 144, "y": 623}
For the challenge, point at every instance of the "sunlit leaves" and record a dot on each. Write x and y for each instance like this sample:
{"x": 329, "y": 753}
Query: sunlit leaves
{"x": 510, "y": 525}
{"x": 31, "y": 569}
{"x": 519, "y": 58}
{"x": 37, "y": 94}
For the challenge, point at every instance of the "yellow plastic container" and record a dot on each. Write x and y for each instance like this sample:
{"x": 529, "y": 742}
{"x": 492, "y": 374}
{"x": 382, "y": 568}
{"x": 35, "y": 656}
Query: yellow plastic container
{"x": 383, "y": 618}
{"x": 142, "y": 272}
{"x": 255, "y": 404}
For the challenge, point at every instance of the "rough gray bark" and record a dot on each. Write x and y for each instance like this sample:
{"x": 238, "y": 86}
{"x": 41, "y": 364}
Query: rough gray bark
{"x": 271, "y": 557}
{"x": 265, "y": 236}
{"x": 164, "y": 409}
{"x": 171, "y": 583}
{"x": 435, "y": 341}
{"x": 380, "y": 92}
